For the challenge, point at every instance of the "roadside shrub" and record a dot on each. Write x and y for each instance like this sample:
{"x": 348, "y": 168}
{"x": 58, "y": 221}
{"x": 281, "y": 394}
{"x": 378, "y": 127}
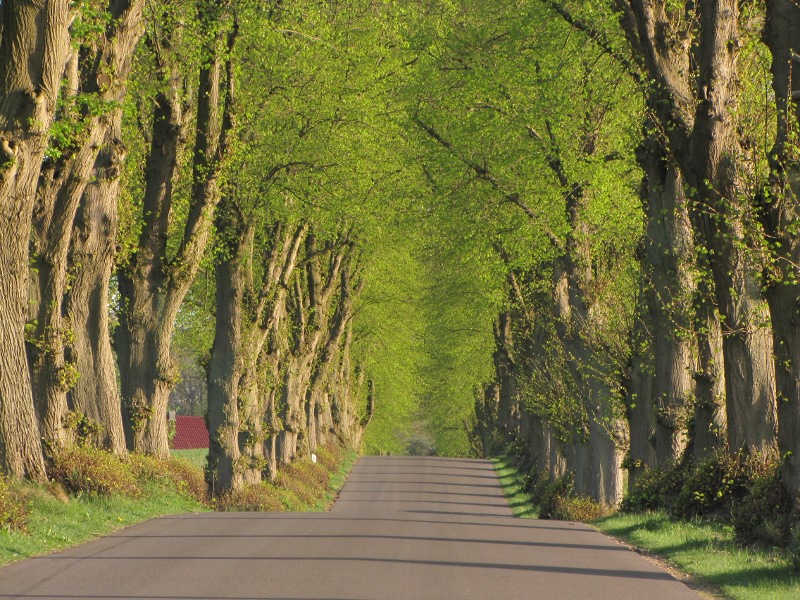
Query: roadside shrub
{"x": 330, "y": 457}
{"x": 173, "y": 473}
{"x": 304, "y": 479}
{"x": 188, "y": 479}
{"x": 258, "y": 497}
{"x": 13, "y": 512}
{"x": 532, "y": 479}
{"x": 311, "y": 474}
{"x": 93, "y": 471}
{"x": 551, "y": 494}
{"x": 518, "y": 448}
{"x": 715, "y": 484}
{"x": 577, "y": 508}
{"x": 653, "y": 489}
{"x": 794, "y": 547}
{"x": 764, "y": 514}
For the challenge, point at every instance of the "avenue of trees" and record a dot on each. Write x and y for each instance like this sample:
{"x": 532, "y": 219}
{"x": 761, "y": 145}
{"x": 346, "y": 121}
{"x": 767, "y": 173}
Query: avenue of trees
{"x": 567, "y": 224}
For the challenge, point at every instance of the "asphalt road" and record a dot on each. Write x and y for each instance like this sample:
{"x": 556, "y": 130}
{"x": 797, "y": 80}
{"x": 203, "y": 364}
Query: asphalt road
{"x": 402, "y": 528}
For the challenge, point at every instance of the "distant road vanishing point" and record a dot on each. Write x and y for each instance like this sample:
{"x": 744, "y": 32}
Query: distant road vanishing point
{"x": 403, "y": 528}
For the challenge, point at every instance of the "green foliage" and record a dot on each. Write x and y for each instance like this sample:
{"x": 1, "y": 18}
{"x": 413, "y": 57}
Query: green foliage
{"x": 259, "y": 497}
{"x": 715, "y": 484}
{"x": 88, "y": 470}
{"x": 745, "y": 491}
{"x": 176, "y": 474}
{"x": 306, "y": 480}
{"x": 85, "y": 428}
{"x": 330, "y": 457}
{"x": 653, "y": 489}
{"x": 581, "y": 508}
{"x": 13, "y": 512}
{"x": 548, "y": 495}
{"x": 764, "y": 515}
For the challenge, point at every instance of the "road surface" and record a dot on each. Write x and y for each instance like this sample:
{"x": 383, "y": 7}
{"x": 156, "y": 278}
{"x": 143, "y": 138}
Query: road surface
{"x": 403, "y": 528}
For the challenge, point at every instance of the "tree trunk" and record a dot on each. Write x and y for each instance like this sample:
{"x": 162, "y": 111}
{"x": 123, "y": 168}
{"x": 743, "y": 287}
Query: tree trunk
{"x": 695, "y": 97}
{"x": 781, "y": 217}
{"x": 709, "y": 431}
{"x": 670, "y": 254}
{"x": 96, "y": 394}
{"x": 713, "y": 171}
{"x": 61, "y": 192}
{"x": 33, "y": 51}
{"x": 639, "y": 396}
{"x": 225, "y": 372}
{"x": 152, "y": 286}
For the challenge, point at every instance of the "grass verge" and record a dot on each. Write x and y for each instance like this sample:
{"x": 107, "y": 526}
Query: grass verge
{"x": 709, "y": 552}
{"x": 513, "y": 484}
{"x": 55, "y": 524}
{"x": 706, "y": 552}
{"x": 337, "y": 481}
{"x": 196, "y": 457}
{"x": 54, "y": 520}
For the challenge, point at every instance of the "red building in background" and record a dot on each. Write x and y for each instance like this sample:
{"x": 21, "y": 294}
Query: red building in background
{"x": 190, "y": 432}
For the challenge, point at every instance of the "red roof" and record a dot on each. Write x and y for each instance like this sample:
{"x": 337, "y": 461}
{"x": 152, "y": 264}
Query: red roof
{"x": 190, "y": 432}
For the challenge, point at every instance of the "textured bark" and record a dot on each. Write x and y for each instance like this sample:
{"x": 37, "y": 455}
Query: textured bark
{"x": 639, "y": 389}
{"x": 153, "y": 287}
{"x": 247, "y": 315}
{"x": 695, "y": 95}
{"x": 96, "y": 394}
{"x": 669, "y": 264}
{"x": 103, "y": 72}
{"x": 781, "y": 218}
{"x": 226, "y": 369}
{"x": 596, "y": 459}
{"x": 325, "y": 367}
{"x": 311, "y": 322}
{"x": 747, "y": 342}
{"x": 709, "y": 430}
{"x": 505, "y": 367}
{"x": 33, "y": 51}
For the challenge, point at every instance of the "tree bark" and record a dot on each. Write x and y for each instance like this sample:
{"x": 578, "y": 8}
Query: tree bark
{"x": 695, "y": 95}
{"x": 33, "y": 51}
{"x": 226, "y": 368}
{"x": 781, "y": 217}
{"x": 669, "y": 264}
{"x": 236, "y": 406}
{"x": 709, "y": 430}
{"x": 104, "y": 74}
{"x": 96, "y": 394}
{"x": 311, "y": 316}
{"x": 639, "y": 388}
{"x": 153, "y": 286}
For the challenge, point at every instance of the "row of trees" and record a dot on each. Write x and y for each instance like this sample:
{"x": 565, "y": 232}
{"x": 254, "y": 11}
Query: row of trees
{"x": 584, "y": 210}
{"x": 146, "y": 143}
{"x": 672, "y": 332}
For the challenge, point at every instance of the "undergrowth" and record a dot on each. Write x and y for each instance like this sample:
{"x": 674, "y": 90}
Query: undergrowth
{"x": 92, "y": 492}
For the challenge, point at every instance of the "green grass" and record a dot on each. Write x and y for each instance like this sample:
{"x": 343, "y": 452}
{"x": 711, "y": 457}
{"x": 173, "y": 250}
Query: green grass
{"x": 512, "y": 481}
{"x": 709, "y": 552}
{"x": 54, "y": 524}
{"x": 197, "y": 456}
{"x": 337, "y": 481}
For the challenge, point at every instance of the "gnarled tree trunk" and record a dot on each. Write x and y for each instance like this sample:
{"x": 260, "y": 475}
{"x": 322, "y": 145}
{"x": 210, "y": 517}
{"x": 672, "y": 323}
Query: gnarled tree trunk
{"x": 781, "y": 218}
{"x": 103, "y": 73}
{"x": 33, "y": 52}
{"x": 153, "y": 287}
{"x": 95, "y": 393}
